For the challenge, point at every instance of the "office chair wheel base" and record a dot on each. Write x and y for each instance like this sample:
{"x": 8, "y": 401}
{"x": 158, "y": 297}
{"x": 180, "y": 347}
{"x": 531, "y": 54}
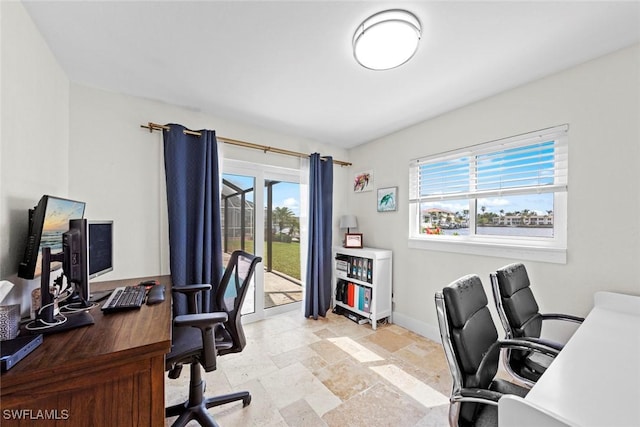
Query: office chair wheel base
{"x": 246, "y": 401}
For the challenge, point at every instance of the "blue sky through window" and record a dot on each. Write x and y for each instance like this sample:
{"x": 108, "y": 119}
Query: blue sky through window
{"x": 526, "y": 166}
{"x": 446, "y": 177}
{"x": 516, "y": 167}
{"x": 285, "y": 194}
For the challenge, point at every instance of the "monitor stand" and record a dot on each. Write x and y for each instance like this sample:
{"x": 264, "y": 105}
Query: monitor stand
{"x": 75, "y": 303}
{"x": 46, "y": 322}
{"x": 76, "y": 320}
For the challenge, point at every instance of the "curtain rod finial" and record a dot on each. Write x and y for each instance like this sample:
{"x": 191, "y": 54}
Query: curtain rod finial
{"x": 148, "y": 126}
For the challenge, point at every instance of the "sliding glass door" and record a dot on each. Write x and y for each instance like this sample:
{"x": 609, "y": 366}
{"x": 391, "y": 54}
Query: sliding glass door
{"x": 238, "y": 224}
{"x": 261, "y": 215}
{"x": 282, "y": 243}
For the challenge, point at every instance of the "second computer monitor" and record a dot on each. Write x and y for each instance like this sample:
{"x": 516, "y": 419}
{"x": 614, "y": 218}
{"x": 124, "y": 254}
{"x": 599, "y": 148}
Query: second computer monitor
{"x": 100, "y": 247}
{"x": 88, "y": 253}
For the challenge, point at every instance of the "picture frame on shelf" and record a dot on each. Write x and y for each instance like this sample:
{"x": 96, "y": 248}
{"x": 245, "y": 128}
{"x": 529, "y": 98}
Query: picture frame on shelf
{"x": 387, "y": 200}
{"x": 353, "y": 240}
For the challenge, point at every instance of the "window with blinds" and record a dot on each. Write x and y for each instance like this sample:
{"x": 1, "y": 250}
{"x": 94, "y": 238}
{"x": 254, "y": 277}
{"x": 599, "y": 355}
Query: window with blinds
{"x": 511, "y": 189}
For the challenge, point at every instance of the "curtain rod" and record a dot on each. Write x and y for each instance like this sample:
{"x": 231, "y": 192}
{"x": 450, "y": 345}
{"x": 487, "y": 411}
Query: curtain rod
{"x": 154, "y": 126}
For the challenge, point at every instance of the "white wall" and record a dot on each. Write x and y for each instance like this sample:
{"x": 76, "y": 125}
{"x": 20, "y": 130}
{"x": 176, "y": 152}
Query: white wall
{"x": 83, "y": 143}
{"x": 117, "y": 168}
{"x": 34, "y": 135}
{"x": 600, "y": 102}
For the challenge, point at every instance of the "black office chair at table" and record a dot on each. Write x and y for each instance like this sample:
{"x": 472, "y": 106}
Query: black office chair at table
{"x": 198, "y": 338}
{"x": 471, "y": 346}
{"x": 521, "y": 319}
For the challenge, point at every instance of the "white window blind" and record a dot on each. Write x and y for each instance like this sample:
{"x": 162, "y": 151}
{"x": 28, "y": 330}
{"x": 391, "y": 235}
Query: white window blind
{"x": 535, "y": 162}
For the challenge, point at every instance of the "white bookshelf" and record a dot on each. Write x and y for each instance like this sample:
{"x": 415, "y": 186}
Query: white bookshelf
{"x": 372, "y": 275}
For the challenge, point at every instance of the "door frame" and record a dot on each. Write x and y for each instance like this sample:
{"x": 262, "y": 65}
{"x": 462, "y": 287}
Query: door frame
{"x": 260, "y": 172}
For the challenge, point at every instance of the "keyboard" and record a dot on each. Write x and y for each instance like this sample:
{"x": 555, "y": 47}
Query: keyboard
{"x": 125, "y": 298}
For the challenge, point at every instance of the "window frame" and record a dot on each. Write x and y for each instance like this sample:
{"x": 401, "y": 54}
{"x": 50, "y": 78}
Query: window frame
{"x": 544, "y": 249}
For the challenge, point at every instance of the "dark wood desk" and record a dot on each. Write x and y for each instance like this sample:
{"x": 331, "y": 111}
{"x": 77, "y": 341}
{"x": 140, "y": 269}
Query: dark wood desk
{"x": 107, "y": 374}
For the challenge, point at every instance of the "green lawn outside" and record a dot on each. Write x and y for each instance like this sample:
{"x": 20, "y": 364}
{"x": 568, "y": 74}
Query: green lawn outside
{"x": 286, "y": 256}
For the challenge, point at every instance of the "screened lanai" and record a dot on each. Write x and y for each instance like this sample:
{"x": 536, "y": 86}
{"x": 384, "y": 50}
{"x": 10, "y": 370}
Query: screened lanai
{"x": 281, "y": 257}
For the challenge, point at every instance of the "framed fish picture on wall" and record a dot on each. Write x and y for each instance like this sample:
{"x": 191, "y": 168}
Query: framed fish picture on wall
{"x": 387, "y": 199}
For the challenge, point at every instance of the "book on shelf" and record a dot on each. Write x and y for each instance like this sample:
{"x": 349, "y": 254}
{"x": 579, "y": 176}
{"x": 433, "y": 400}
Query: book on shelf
{"x": 367, "y": 300}
{"x": 361, "y": 296}
{"x": 342, "y": 263}
{"x": 340, "y": 290}
{"x": 356, "y": 295}
{"x": 356, "y": 267}
{"x": 350, "y": 290}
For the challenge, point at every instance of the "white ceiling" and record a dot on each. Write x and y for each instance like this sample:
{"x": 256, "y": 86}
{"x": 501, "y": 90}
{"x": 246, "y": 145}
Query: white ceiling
{"x": 288, "y": 66}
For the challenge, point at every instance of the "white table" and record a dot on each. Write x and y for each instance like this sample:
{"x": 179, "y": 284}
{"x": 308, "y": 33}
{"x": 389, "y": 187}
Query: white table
{"x": 595, "y": 380}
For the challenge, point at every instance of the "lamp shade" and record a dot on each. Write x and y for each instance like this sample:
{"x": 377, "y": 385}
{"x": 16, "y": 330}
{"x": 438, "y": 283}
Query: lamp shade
{"x": 348, "y": 221}
{"x": 387, "y": 39}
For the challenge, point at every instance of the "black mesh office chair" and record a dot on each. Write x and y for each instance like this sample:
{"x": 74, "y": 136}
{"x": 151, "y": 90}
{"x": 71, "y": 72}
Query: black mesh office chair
{"x": 199, "y": 337}
{"x": 471, "y": 346}
{"x": 521, "y": 319}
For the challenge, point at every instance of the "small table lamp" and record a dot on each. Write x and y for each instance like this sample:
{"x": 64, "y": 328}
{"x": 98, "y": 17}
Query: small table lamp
{"x": 348, "y": 221}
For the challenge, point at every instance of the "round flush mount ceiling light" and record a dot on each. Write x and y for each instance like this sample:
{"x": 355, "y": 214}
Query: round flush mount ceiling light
{"x": 387, "y": 39}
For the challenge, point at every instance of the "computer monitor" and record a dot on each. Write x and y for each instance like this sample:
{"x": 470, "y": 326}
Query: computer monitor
{"x": 47, "y": 222}
{"x": 76, "y": 260}
{"x": 88, "y": 253}
{"x": 100, "y": 247}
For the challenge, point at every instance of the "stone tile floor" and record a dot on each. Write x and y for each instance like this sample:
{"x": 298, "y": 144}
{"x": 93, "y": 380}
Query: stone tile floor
{"x": 328, "y": 372}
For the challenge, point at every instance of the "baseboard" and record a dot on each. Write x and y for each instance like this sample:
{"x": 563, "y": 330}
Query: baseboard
{"x": 417, "y": 326}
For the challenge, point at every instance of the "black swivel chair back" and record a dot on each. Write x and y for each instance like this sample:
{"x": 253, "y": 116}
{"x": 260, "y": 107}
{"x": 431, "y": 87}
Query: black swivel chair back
{"x": 198, "y": 338}
{"x": 230, "y": 336}
{"x": 519, "y": 307}
{"x": 471, "y": 346}
{"x": 521, "y": 319}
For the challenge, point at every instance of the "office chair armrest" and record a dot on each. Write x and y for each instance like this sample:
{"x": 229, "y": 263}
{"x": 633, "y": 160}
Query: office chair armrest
{"x": 201, "y": 320}
{"x": 479, "y": 395}
{"x": 493, "y": 352}
{"x": 189, "y": 289}
{"x": 191, "y": 292}
{"x": 521, "y": 344}
{"x": 558, "y": 346}
{"x": 205, "y": 322}
{"x": 560, "y": 316}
